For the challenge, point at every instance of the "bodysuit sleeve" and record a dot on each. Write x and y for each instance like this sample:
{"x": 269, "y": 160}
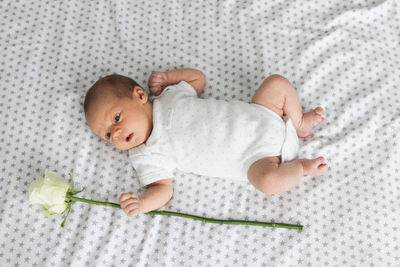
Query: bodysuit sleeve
{"x": 180, "y": 89}
{"x": 150, "y": 167}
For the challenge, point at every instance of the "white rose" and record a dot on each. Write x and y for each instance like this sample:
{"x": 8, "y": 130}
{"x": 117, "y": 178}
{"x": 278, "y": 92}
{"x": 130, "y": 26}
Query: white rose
{"x": 50, "y": 192}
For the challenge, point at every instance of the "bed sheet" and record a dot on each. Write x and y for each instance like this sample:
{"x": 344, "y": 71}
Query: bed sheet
{"x": 341, "y": 55}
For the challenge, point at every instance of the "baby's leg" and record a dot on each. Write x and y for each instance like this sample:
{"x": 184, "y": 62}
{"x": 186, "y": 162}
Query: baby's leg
{"x": 271, "y": 177}
{"x": 278, "y": 94}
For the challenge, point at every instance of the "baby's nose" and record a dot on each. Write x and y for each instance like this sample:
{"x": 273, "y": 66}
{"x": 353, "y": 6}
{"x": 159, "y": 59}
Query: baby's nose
{"x": 116, "y": 133}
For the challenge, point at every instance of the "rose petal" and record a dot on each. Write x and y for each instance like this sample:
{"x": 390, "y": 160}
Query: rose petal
{"x": 50, "y": 192}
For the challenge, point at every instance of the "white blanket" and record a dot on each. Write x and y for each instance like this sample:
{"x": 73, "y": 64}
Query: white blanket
{"x": 342, "y": 55}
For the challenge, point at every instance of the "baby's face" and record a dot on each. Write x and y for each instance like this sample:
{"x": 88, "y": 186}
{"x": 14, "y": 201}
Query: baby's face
{"x": 124, "y": 122}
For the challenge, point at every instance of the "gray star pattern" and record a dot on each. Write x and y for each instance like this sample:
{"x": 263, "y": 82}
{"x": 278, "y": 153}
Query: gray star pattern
{"x": 342, "y": 55}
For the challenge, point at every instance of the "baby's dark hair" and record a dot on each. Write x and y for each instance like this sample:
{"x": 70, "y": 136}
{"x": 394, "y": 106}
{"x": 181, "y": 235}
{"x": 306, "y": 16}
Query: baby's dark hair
{"x": 120, "y": 86}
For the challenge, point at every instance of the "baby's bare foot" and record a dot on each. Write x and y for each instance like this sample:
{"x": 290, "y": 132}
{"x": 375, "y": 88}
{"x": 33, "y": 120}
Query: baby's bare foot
{"x": 309, "y": 120}
{"x": 314, "y": 167}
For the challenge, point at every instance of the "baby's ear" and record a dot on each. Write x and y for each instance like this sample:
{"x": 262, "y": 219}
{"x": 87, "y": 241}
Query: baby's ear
{"x": 140, "y": 93}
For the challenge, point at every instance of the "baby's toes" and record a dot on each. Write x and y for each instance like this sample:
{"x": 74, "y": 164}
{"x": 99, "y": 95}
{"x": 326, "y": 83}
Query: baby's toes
{"x": 319, "y": 111}
{"x": 322, "y": 169}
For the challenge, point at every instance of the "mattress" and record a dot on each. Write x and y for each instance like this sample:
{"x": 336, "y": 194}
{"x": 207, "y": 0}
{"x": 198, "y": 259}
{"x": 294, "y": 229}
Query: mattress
{"x": 341, "y": 55}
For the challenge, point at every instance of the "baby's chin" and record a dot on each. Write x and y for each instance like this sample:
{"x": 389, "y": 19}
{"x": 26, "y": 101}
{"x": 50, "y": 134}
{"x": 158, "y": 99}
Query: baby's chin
{"x": 129, "y": 145}
{"x": 124, "y": 148}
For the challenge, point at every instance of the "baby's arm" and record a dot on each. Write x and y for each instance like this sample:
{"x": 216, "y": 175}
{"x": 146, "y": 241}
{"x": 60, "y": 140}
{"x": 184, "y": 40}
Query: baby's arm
{"x": 159, "y": 80}
{"x": 156, "y": 195}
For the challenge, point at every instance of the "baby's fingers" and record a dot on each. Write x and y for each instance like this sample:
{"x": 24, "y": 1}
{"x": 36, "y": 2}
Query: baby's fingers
{"x": 130, "y": 204}
{"x": 158, "y": 78}
{"x": 126, "y": 196}
{"x": 131, "y": 207}
{"x": 158, "y": 75}
{"x": 155, "y": 85}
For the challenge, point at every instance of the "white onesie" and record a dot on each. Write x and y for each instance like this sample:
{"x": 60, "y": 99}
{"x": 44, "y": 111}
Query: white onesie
{"x": 210, "y": 137}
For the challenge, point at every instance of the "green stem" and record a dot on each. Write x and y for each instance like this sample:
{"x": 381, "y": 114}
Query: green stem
{"x": 237, "y": 222}
{"x": 109, "y": 204}
{"x": 188, "y": 216}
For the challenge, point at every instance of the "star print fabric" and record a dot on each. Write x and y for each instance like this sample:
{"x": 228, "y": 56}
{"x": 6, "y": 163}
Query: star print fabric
{"x": 341, "y": 55}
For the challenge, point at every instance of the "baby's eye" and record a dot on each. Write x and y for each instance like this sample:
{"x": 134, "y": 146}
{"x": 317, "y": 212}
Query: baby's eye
{"x": 108, "y": 135}
{"x": 117, "y": 117}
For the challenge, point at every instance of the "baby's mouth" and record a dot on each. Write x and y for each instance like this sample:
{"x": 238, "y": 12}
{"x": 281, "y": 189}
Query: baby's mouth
{"x": 129, "y": 137}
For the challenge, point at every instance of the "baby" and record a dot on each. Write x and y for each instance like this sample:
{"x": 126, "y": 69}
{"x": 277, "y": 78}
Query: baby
{"x": 257, "y": 142}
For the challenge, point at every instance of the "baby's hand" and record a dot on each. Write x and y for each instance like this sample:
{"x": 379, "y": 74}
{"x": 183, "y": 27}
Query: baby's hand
{"x": 131, "y": 204}
{"x": 157, "y": 82}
